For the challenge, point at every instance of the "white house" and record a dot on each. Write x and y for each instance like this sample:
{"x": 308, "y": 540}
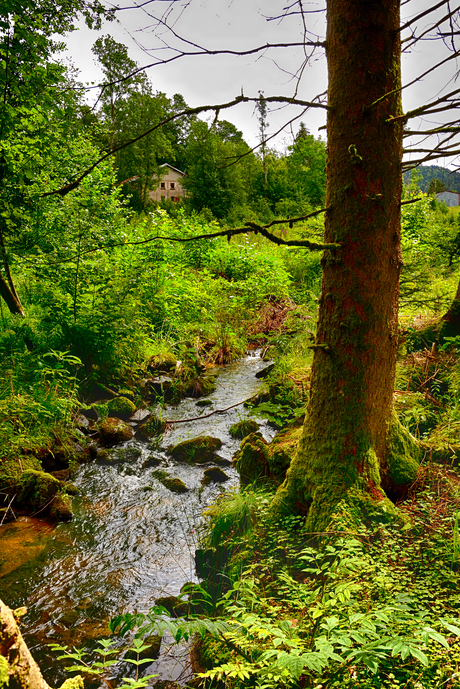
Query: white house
{"x": 170, "y": 186}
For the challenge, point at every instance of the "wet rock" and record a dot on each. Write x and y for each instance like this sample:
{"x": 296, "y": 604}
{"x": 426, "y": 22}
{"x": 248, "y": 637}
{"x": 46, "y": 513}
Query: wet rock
{"x": 174, "y": 606}
{"x": 70, "y": 489}
{"x": 113, "y": 431}
{"x": 154, "y": 426}
{"x": 61, "y": 475}
{"x": 121, "y": 408}
{"x": 265, "y": 371}
{"x": 251, "y": 460}
{"x": 262, "y": 395}
{"x": 241, "y": 429}
{"x": 159, "y": 386}
{"x": 127, "y": 454}
{"x": 61, "y": 509}
{"x": 81, "y": 422}
{"x": 93, "y": 450}
{"x": 175, "y": 485}
{"x": 140, "y": 415}
{"x": 104, "y": 457}
{"x": 216, "y": 474}
{"x": 151, "y": 461}
{"x": 37, "y": 488}
{"x": 204, "y": 403}
{"x": 201, "y": 386}
{"x": 196, "y": 450}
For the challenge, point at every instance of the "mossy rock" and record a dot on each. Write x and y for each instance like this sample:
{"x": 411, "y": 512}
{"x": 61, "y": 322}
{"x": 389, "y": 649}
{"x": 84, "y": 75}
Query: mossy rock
{"x": 252, "y": 459}
{"x": 131, "y": 453}
{"x": 404, "y": 455}
{"x": 13, "y": 468}
{"x": 215, "y": 474}
{"x": 113, "y": 431}
{"x": 174, "y": 606}
{"x": 175, "y": 485}
{"x": 105, "y": 457}
{"x": 121, "y": 407}
{"x": 153, "y": 427}
{"x": 243, "y": 428}
{"x": 37, "y": 488}
{"x": 152, "y": 461}
{"x": 42, "y": 491}
{"x": 204, "y": 403}
{"x": 196, "y": 450}
{"x": 162, "y": 362}
{"x": 201, "y": 387}
{"x": 282, "y": 450}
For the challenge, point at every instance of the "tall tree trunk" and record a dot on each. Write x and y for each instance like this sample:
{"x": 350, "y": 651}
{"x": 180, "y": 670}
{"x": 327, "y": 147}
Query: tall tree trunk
{"x": 350, "y": 432}
{"x": 7, "y": 288}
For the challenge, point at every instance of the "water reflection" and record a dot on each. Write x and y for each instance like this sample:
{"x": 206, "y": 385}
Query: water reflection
{"x": 131, "y": 540}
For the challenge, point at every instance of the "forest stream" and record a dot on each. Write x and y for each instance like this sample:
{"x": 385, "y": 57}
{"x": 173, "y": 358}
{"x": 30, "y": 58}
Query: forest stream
{"x": 131, "y": 540}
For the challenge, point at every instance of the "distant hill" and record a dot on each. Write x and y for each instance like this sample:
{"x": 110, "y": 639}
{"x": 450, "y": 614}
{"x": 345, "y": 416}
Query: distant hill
{"x": 429, "y": 172}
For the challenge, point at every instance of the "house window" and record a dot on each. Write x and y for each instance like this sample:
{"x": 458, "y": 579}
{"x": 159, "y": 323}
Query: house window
{"x": 163, "y": 185}
{"x": 172, "y": 185}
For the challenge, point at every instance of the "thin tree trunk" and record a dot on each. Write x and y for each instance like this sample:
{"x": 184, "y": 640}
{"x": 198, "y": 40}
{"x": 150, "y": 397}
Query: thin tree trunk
{"x": 11, "y": 300}
{"x": 7, "y": 288}
{"x": 348, "y": 434}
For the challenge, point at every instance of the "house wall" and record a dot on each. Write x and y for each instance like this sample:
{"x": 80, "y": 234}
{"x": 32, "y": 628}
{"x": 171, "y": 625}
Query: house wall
{"x": 170, "y": 186}
{"x": 450, "y": 198}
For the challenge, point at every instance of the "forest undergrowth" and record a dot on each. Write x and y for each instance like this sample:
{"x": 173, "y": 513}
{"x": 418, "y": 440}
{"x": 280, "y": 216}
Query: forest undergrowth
{"x": 374, "y": 606}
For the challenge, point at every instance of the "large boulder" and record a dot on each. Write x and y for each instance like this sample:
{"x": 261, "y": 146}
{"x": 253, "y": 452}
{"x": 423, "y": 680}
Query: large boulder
{"x": 113, "y": 431}
{"x": 196, "y": 450}
{"x": 44, "y": 492}
{"x": 121, "y": 407}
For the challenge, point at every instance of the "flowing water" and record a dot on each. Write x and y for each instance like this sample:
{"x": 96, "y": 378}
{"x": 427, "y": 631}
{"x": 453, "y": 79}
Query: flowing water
{"x": 131, "y": 540}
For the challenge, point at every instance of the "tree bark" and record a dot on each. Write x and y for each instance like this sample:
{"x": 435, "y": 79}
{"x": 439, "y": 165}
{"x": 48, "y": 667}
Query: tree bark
{"x": 7, "y": 288}
{"x": 18, "y": 670}
{"x": 350, "y": 433}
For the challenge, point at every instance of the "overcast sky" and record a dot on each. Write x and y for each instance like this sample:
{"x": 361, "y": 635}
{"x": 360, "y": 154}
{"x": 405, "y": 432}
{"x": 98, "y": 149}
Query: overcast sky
{"x": 242, "y": 25}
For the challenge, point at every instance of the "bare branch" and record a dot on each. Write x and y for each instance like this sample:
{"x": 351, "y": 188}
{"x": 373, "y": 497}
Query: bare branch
{"x": 423, "y": 14}
{"x": 63, "y": 191}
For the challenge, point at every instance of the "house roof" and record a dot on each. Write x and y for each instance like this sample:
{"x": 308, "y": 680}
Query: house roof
{"x": 173, "y": 168}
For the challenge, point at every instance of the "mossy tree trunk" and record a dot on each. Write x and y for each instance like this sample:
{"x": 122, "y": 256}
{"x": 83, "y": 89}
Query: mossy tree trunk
{"x": 350, "y": 429}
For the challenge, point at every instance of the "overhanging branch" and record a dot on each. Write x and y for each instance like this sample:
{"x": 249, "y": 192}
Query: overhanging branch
{"x": 63, "y": 191}
{"x": 248, "y": 228}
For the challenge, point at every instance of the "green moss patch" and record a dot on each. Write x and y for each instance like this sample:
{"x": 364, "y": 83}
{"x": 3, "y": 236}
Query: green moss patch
{"x": 241, "y": 429}
{"x": 196, "y": 450}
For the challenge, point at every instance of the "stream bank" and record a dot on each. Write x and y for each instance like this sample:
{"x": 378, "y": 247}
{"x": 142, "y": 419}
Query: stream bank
{"x": 132, "y": 540}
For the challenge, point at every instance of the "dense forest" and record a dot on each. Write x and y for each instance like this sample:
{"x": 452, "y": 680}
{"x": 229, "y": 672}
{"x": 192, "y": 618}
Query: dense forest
{"x": 333, "y": 559}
